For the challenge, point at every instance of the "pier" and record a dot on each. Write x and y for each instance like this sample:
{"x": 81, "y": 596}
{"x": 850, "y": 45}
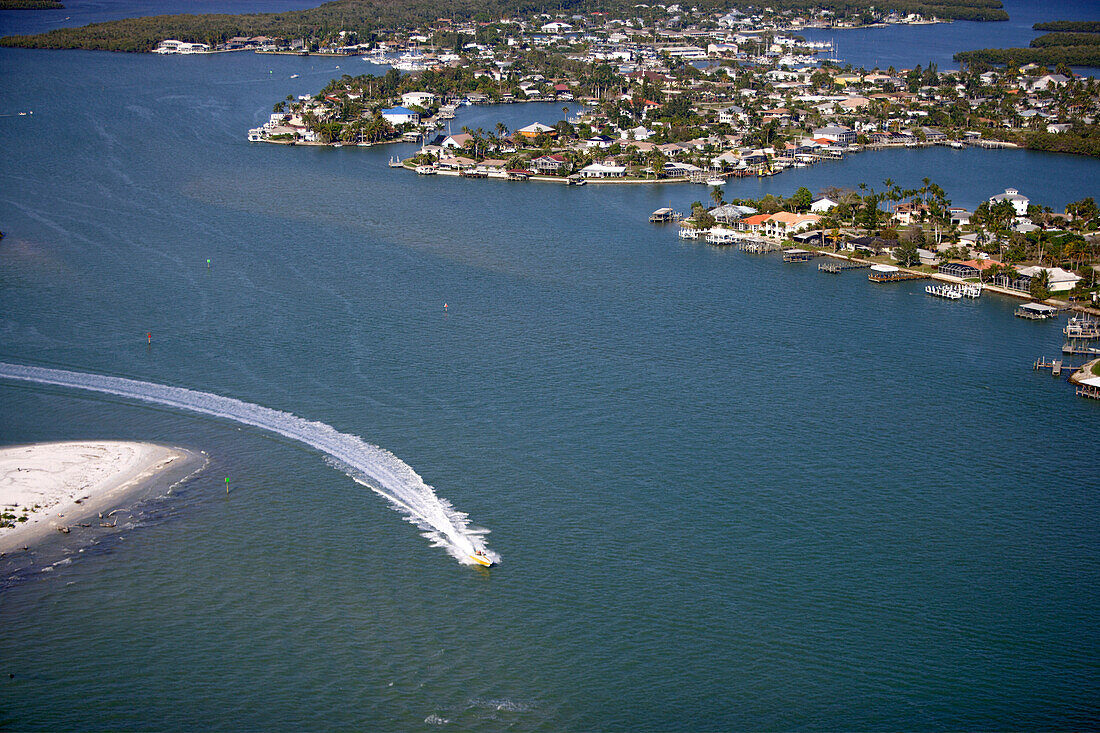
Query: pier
{"x": 757, "y": 246}
{"x": 665, "y": 215}
{"x": 838, "y": 267}
{"x": 1036, "y": 311}
{"x": 798, "y": 255}
{"x": 1055, "y": 366}
{"x": 890, "y": 274}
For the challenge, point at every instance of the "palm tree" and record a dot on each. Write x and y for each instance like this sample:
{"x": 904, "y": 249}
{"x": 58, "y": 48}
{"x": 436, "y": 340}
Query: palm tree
{"x": 716, "y": 194}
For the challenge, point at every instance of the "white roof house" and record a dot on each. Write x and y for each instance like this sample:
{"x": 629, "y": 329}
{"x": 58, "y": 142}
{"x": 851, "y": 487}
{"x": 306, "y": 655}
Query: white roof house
{"x": 417, "y": 99}
{"x": 1018, "y": 202}
{"x": 1060, "y": 280}
{"x": 822, "y": 205}
{"x": 599, "y": 170}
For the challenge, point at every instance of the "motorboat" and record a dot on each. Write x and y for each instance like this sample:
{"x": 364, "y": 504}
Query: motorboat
{"x": 482, "y": 559}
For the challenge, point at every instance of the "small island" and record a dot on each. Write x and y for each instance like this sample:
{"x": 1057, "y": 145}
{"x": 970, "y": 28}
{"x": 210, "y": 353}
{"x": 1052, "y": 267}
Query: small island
{"x": 52, "y": 489}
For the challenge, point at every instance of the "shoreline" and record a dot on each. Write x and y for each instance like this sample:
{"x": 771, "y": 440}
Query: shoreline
{"x": 80, "y": 483}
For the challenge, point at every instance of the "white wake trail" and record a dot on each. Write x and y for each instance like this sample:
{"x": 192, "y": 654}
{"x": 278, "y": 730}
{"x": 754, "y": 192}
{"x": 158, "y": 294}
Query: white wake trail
{"x": 371, "y": 466}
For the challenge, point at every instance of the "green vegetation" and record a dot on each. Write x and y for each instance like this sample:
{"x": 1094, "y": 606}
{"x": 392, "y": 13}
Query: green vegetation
{"x": 1096, "y": 368}
{"x": 30, "y": 5}
{"x": 1070, "y": 26}
{"x": 1078, "y": 140}
{"x": 1066, "y": 39}
{"x": 1071, "y": 43}
{"x": 364, "y": 17}
{"x": 1047, "y": 56}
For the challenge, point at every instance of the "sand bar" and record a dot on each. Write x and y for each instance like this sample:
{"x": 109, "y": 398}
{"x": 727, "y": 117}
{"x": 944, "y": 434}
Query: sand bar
{"x": 60, "y": 486}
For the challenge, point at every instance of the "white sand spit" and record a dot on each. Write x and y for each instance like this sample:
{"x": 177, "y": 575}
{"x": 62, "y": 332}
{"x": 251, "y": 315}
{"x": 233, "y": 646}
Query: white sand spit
{"x": 58, "y": 486}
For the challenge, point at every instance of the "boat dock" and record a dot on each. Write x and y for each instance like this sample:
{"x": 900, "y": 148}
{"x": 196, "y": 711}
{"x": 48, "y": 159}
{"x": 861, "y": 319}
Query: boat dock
{"x": 1055, "y": 366}
{"x": 798, "y": 255}
{"x": 665, "y": 215}
{"x": 757, "y": 246}
{"x": 891, "y": 274}
{"x": 1036, "y": 311}
{"x": 1089, "y": 388}
{"x": 838, "y": 267}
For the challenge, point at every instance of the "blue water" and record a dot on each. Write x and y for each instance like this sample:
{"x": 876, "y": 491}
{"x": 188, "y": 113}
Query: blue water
{"x": 904, "y": 47}
{"x": 728, "y": 493}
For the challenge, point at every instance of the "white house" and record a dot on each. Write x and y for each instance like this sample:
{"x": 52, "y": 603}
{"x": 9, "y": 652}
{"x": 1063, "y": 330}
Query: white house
{"x": 837, "y": 133}
{"x": 556, "y": 26}
{"x": 1060, "y": 280}
{"x": 173, "y": 46}
{"x": 822, "y": 205}
{"x": 599, "y": 170}
{"x": 1011, "y": 194}
{"x": 417, "y": 99}
{"x": 784, "y": 223}
{"x": 400, "y": 115}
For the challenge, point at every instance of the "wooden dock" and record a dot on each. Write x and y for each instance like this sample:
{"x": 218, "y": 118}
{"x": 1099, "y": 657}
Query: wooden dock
{"x": 756, "y": 246}
{"x": 1088, "y": 390}
{"x": 798, "y": 255}
{"x": 1055, "y": 366}
{"x": 665, "y": 215}
{"x": 837, "y": 267}
{"x": 893, "y": 277}
{"x": 1074, "y": 347}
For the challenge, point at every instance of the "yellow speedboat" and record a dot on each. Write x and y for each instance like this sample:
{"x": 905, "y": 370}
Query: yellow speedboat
{"x": 481, "y": 559}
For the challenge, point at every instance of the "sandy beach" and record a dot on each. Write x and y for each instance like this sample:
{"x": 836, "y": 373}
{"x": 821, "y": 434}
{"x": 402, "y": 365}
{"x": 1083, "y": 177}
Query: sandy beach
{"x": 60, "y": 486}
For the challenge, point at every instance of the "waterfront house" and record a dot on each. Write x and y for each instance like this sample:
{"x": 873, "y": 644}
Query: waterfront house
{"x": 962, "y": 270}
{"x": 602, "y": 170}
{"x": 822, "y": 205}
{"x": 400, "y": 116}
{"x": 417, "y": 99}
{"x": 1013, "y": 281}
{"x": 535, "y": 129}
{"x": 1019, "y": 202}
{"x": 173, "y": 46}
{"x": 548, "y": 163}
{"x": 1059, "y": 280}
{"x": 835, "y": 133}
{"x": 784, "y": 223}
{"x": 456, "y": 142}
{"x": 753, "y": 224}
{"x": 731, "y": 213}
{"x": 492, "y": 165}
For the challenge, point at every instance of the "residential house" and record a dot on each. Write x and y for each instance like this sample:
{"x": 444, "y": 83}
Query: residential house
{"x": 400, "y": 116}
{"x": 835, "y": 133}
{"x": 1019, "y": 202}
{"x": 783, "y": 224}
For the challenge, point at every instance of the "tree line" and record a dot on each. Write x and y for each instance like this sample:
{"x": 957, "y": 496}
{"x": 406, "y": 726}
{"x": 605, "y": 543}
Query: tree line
{"x": 365, "y": 17}
{"x": 1064, "y": 26}
{"x": 1048, "y": 56}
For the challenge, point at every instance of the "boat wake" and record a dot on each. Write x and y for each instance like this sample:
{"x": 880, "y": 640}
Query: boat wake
{"x": 373, "y": 467}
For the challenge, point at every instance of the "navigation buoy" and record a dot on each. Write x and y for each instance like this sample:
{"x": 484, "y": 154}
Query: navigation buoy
{"x": 149, "y": 336}
{"x": 227, "y": 486}
{"x": 207, "y": 263}
{"x": 444, "y": 306}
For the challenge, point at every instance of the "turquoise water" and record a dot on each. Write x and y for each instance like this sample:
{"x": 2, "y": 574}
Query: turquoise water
{"x": 727, "y": 492}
